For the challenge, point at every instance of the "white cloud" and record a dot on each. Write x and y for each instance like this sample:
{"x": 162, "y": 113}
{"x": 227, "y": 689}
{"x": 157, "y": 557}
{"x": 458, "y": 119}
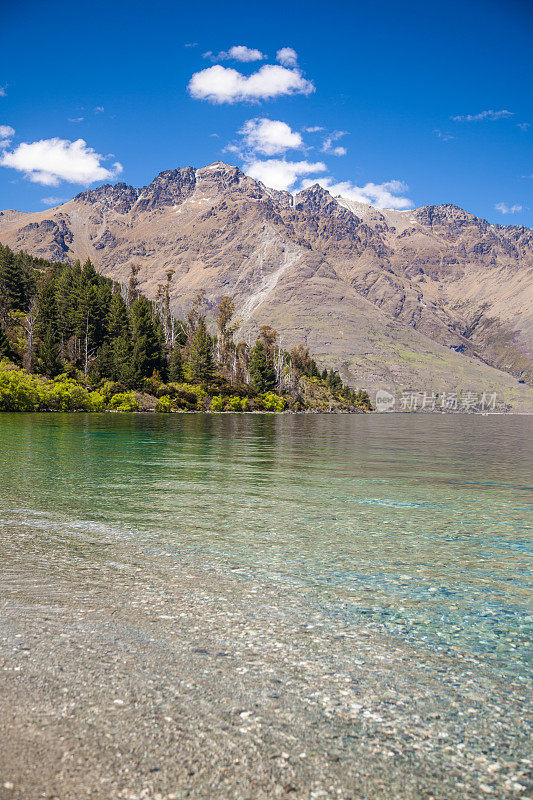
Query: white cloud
{"x": 3, "y": 92}
{"x": 281, "y": 174}
{"x": 327, "y": 145}
{"x": 270, "y": 136}
{"x": 50, "y": 161}
{"x": 76, "y": 119}
{"x": 99, "y": 110}
{"x": 446, "y": 137}
{"x": 224, "y": 85}
{"x": 287, "y": 56}
{"x": 234, "y": 148}
{"x": 380, "y": 195}
{"x": 314, "y": 129}
{"x": 237, "y": 53}
{"x": 52, "y": 201}
{"x": 524, "y": 125}
{"x": 6, "y": 131}
{"x": 490, "y": 114}
{"x": 505, "y": 209}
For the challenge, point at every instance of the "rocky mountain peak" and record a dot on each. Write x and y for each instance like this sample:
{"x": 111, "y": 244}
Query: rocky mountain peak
{"x": 447, "y": 214}
{"x": 315, "y": 198}
{"x": 119, "y": 196}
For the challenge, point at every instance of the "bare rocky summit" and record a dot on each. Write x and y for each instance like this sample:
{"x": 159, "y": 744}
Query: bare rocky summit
{"x": 432, "y": 299}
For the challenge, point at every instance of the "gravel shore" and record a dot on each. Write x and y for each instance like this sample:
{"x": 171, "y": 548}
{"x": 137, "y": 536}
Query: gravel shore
{"x": 220, "y": 687}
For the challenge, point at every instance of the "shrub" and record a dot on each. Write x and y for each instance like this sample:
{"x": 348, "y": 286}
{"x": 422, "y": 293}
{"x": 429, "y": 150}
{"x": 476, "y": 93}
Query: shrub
{"x": 18, "y": 390}
{"x": 245, "y": 404}
{"x": 152, "y": 384}
{"x": 185, "y": 395}
{"x": 65, "y": 394}
{"x": 124, "y": 401}
{"x": 164, "y": 405}
{"x": 96, "y": 401}
{"x": 273, "y": 402}
{"x": 217, "y": 403}
{"x": 234, "y": 403}
{"x": 109, "y": 388}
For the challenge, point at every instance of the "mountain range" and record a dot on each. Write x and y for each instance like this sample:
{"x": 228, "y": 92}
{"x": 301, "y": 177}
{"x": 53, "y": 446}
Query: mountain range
{"x": 431, "y": 300}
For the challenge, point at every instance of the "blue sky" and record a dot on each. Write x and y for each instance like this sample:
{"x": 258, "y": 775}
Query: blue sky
{"x": 397, "y": 103}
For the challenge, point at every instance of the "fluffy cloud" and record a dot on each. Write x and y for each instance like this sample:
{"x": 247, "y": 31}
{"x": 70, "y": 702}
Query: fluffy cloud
{"x": 280, "y": 174}
{"x": 50, "y": 161}
{"x": 490, "y": 114}
{"x": 224, "y": 85}
{"x": 505, "y": 209}
{"x": 287, "y": 56}
{"x": 237, "y": 53}
{"x": 313, "y": 129}
{"x": 52, "y": 201}
{"x": 327, "y": 145}
{"x": 6, "y": 132}
{"x": 270, "y": 136}
{"x": 2, "y": 91}
{"x": 524, "y": 125}
{"x": 380, "y": 195}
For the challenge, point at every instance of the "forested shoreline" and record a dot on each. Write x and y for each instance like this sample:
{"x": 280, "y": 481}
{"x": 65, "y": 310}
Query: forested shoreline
{"x": 71, "y": 339}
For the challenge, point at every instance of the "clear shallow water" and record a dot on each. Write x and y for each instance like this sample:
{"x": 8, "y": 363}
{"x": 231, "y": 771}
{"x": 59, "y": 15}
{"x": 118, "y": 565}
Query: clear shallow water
{"x": 420, "y": 525}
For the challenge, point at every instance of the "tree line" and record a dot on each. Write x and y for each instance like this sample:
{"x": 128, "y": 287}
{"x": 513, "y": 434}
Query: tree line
{"x": 66, "y": 319}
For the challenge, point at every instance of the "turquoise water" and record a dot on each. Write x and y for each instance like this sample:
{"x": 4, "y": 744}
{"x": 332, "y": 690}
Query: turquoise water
{"x": 419, "y": 525}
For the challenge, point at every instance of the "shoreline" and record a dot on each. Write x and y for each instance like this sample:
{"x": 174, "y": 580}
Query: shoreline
{"x": 287, "y": 412}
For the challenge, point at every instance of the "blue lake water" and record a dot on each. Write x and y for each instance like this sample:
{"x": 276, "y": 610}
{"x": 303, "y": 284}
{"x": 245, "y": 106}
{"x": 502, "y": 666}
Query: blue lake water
{"x": 419, "y": 525}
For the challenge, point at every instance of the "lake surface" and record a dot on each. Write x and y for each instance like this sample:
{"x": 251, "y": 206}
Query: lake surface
{"x": 420, "y": 525}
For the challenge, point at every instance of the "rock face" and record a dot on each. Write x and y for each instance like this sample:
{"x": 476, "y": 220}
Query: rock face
{"x": 430, "y": 299}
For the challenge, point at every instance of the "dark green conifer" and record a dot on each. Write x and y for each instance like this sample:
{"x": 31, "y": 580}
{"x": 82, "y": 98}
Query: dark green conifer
{"x": 48, "y": 359}
{"x": 147, "y": 354}
{"x": 200, "y": 355}
{"x": 12, "y": 283}
{"x": 262, "y": 373}
{"x": 175, "y": 371}
{"x": 5, "y": 345}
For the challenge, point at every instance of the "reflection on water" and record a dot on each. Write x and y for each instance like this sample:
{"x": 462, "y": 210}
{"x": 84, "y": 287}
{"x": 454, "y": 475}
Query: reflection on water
{"x": 420, "y": 524}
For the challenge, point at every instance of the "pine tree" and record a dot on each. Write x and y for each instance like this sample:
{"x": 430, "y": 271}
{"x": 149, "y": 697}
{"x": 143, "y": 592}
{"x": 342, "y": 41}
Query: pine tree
{"x": 175, "y": 371}
{"x": 117, "y": 318}
{"x": 147, "y": 353}
{"x": 262, "y": 373}
{"x": 200, "y": 355}
{"x": 48, "y": 353}
{"x": 67, "y": 285}
{"x": 225, "y": 344}
{"x": 5, "y": 346}
{"x": 121, "y": 359}
{"x": 12, "y": 283}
